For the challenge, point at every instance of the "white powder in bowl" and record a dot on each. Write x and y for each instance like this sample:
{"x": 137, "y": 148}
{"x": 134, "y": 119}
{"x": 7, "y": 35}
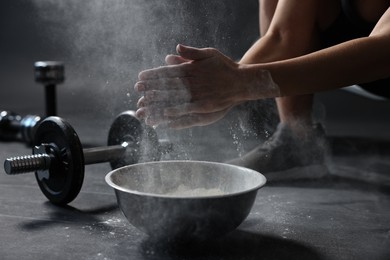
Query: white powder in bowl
{"x": 185, "y": 191}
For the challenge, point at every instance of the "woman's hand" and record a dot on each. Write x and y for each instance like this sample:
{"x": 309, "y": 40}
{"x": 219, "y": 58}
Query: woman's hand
{"x": 198, "y": 87}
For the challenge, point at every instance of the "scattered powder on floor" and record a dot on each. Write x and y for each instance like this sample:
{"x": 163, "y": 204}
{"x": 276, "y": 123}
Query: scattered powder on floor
{"x": 186, "y": 191}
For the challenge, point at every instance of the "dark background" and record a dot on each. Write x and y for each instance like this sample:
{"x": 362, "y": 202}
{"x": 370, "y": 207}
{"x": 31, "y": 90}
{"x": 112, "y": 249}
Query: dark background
{"x": 104, "y": 44}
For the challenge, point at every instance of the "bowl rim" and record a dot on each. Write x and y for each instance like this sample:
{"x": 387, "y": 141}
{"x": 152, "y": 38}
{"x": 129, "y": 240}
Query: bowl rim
{"x": 263, "y": 181}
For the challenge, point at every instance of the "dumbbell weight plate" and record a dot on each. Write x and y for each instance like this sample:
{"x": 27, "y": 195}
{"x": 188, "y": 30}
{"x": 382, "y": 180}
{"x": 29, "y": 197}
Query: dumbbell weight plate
{"x": 9, "y": 123}
{"x": 126, "y": 128}
{"x": 49, "y": 72}
{"x": 142, "y": 140}
{"x": 65, "y": 180}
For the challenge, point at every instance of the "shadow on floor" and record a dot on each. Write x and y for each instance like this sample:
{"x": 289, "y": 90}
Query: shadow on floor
{"x": 237, "y": 245}
{"x": 57, "y": 215}
{"x": 359, "y": 146}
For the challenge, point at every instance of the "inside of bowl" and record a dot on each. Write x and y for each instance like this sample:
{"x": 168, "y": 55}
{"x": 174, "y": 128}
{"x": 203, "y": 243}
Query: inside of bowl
{"x": 186, "y": 178}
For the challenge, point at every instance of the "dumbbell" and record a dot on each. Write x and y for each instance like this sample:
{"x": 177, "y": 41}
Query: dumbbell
{"x": 59, "y": 160}
{"x": 49, "y": 73}
{"x": 14, "y": 127}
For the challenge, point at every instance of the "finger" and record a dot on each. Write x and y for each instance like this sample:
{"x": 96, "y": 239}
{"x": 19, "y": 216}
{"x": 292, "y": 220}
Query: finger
{"x": 140, "y": 86}
{"x": 151, "y": 115}
{"x": 157, "y": 120}
{"x": 174, "y": 59}
{"x": 154, "y": 121}
{"x": 170, "y": 71}
{"x": 192, "y": 53}
{"x": 147, "y": 111}
{"x": 140, "y": 113}
{"x": 141, "y": 102}
{"x": 200, "y": 107}
{"x": 164, "y": 83}
{"x": 195, "y": 120}
{"x": 179, "y": 110}
{"x": 184, "y": 122}
{"x": 173, "y": 97}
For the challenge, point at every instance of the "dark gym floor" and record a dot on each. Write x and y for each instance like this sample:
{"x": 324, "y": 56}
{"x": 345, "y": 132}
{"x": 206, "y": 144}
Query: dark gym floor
{"x": 344, "y": 216}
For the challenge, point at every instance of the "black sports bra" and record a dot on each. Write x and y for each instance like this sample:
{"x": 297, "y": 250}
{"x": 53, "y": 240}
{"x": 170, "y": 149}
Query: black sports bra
{"x": 349, "y": 10}
{"x": 349, "y": 25}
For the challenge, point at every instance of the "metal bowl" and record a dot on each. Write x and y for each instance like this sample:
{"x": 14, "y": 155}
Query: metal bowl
{"x": 185, "y": 199}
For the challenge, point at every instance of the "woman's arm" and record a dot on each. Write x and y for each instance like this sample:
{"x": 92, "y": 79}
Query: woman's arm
{"x": 356, "y": 61}
{"x": 209, "y": 82}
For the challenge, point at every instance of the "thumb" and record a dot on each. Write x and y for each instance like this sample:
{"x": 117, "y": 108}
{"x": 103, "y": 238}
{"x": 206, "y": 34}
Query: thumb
{"x": 192, "y": 53}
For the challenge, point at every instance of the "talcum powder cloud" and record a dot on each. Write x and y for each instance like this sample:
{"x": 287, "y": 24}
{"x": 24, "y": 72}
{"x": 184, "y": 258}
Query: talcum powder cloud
{"x": 107, "y": 42}
{"x": 110, "y": 41}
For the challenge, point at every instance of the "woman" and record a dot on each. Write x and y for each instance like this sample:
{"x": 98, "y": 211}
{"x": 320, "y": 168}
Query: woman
{"x": 306, "y": 46}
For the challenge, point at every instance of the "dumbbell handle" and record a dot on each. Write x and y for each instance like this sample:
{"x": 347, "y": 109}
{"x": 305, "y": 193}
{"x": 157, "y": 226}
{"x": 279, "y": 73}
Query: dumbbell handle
{"x": 50, "y": 73}
{"x": 114, "y": 152}
{"x": 51, "y": 100}
{"x": 41, "y": 161}
{"x": 36, "y": 162}
{"x": 104, "y": 153}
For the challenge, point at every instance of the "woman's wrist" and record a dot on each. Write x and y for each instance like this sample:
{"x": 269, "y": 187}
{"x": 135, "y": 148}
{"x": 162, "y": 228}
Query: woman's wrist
{"x": 257, "y": 83}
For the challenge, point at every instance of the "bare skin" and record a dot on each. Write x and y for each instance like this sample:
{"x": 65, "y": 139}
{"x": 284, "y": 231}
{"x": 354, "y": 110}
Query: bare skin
{"x": 199, "y": 86}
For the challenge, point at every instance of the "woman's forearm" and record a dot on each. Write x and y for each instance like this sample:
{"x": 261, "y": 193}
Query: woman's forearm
{"x": 357, "y": 61}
